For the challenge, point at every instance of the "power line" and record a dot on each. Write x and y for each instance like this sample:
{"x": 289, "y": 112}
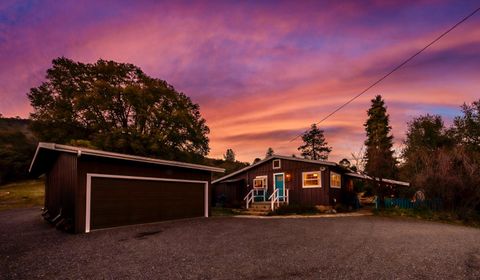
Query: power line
{"x": 392, "y": 71}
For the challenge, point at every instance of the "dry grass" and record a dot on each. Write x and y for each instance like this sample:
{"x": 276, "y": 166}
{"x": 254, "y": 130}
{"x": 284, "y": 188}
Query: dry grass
{"x": 22, "y": 194}
{"x": 429, "y": 215}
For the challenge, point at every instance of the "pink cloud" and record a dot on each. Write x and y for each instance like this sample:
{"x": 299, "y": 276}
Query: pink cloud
{"x": 259, "y": 71}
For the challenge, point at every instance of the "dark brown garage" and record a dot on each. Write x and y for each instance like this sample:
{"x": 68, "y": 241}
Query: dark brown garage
{"x": 89, "y": 189}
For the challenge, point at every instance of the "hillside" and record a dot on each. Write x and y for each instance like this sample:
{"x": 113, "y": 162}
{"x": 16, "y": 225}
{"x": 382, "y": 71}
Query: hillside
{"x": 17, "y": 146}
{"x": 229, "y": 166}
{"x": 13, "y": 125}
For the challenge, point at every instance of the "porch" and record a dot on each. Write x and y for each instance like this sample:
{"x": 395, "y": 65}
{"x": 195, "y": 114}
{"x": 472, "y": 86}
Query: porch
{"x": 256, "y": 199}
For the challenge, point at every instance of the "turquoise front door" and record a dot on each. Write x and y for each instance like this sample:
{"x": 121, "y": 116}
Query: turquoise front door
{"x": 279, "y": 184}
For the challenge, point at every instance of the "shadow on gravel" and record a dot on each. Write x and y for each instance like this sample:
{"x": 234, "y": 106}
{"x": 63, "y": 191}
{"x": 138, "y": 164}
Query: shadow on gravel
{"x": 143, "y": 235}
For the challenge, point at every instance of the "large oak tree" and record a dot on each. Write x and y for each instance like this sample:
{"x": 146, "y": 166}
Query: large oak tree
{"x": 117, "y": 107}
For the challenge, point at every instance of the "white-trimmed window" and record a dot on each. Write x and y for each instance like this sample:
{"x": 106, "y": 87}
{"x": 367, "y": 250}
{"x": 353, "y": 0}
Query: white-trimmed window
{"x": 311, "y": 179}
{"x": 260, "y": 182}
{"x": 335, "y": 180}
{"x": 277, "y": 164}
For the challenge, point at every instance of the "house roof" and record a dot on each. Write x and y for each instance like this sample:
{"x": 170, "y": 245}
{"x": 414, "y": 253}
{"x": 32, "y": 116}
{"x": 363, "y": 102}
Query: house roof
{"x": 390, "y": 181}
{"x": 46, "y": 151}
{"x": 320, "y": 162}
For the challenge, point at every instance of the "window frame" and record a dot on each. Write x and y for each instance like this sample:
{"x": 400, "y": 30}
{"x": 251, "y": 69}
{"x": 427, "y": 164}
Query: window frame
{"x": 319, "y": 185}
{"x": 340, "y": 181}
{"x": 264, "y": 178}
{"x": 279, "y": 164}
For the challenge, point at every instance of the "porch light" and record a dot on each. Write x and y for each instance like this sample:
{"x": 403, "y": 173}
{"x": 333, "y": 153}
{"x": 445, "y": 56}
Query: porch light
{"x": 288, "y": 177}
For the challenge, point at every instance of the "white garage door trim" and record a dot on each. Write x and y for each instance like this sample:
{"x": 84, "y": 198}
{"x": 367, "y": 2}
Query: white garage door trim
{"x": 96, "y": 175}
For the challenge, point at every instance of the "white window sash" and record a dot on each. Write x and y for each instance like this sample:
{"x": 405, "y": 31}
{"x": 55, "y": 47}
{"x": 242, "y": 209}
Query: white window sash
{"x": 318, "y": 180}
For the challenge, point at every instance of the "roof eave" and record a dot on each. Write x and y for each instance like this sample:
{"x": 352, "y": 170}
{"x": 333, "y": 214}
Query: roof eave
{"x": 364, "y": 176}
{"x": 91, "y": 152}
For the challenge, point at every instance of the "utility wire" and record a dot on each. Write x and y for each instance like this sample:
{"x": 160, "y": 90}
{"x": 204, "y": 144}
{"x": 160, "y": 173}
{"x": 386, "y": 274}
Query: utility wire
{"x": 392, "y": 71}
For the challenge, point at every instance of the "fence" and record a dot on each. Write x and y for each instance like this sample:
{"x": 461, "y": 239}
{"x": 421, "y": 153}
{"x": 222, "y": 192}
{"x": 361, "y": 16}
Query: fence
{"x": 405, "y": 203}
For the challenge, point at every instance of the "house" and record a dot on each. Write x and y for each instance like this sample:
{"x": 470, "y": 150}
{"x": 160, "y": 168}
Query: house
{"x": 283, "y": 179}
{"x": 88, "y": 189}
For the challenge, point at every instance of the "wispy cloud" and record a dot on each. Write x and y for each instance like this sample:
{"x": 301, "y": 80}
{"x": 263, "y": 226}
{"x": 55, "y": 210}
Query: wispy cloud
{"x": 261, "y": 72}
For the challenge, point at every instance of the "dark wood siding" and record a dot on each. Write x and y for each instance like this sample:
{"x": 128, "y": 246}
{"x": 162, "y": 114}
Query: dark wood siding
{"x": 229, "y": 194}
{"x": 90, "y": 164}
{"x": 60, "y": 186}
{"x": 117, "y": 202}
{"x": 298, "y": 194}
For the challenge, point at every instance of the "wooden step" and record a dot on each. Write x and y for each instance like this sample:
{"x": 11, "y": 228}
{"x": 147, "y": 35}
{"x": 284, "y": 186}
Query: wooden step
{"x": 260, "y": 206}
{"x": 255, "y": 212}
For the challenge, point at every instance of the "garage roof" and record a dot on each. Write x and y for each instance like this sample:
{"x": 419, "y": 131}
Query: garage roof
{"x": 46, "y": 151}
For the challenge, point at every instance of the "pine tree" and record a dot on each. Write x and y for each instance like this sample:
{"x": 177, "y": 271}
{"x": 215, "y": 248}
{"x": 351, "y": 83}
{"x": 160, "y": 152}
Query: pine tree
{"x": 229, "y": 155}
{"x": 379, "y": 154}
{"x": 315, "y": 147}
{"x": 269, "y": 152}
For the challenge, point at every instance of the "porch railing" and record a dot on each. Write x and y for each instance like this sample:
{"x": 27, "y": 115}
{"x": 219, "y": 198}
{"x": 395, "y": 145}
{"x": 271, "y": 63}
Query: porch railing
{"x": 275, "y": 198}
{"x": 249, "y": 198}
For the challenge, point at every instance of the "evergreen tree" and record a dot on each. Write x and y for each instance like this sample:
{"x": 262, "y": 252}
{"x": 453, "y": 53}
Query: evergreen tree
{"x": 379, "y": 154}
{"x": 269, "y": 152}
{"x": 379, "y": 158}
{"x": 315, "y": 147}
{"x": 229, "y": 155}
{"x": 466, "y": 128}
{"x": 256, "y": 160}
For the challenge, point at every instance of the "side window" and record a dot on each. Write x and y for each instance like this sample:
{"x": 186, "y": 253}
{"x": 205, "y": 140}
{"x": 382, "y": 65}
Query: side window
{"x": 311, "y": 179}
{"x": 335, "y": 180}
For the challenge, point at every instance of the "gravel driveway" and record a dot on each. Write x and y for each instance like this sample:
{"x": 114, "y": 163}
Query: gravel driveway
{"x": 241, "y": 248}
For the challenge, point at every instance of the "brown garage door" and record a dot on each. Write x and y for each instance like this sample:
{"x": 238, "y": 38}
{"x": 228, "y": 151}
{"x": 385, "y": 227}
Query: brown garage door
{"x": 117, "y": 202}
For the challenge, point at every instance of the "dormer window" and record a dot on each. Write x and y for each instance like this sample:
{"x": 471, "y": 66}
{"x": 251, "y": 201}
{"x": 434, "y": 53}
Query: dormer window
{"x": 277, "y": 164}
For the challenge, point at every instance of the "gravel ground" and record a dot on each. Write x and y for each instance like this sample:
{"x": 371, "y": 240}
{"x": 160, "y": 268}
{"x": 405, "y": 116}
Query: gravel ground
{"x": 241, "y": 248}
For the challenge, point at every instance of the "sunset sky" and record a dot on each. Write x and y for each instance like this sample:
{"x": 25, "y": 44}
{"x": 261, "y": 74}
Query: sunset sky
{"x": 261, "y": 71}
